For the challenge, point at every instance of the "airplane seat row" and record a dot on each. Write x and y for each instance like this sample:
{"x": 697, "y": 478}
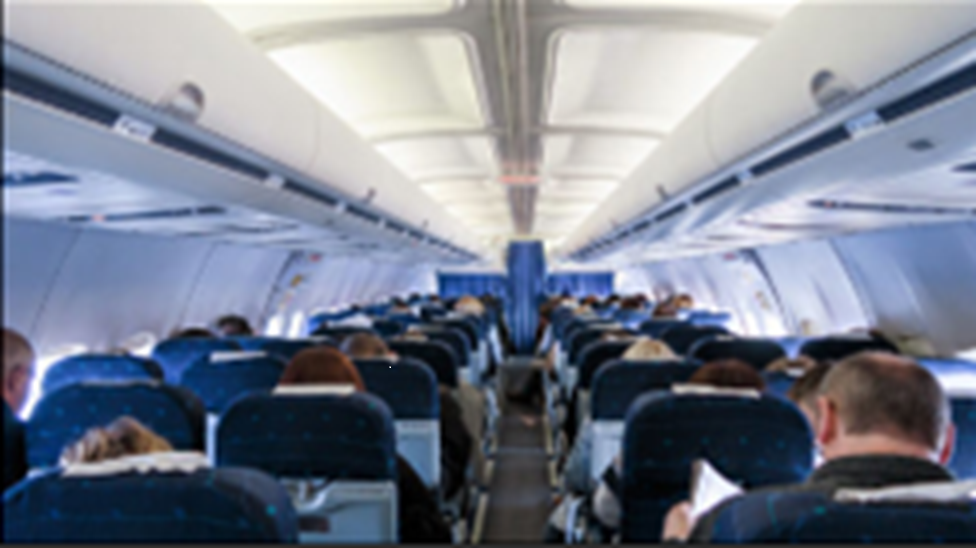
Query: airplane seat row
{"x": 150, "y": 506}
{"x": 219, "y": 382}
{"x": 92, "y": 367}
{"x": 178, "y": 354}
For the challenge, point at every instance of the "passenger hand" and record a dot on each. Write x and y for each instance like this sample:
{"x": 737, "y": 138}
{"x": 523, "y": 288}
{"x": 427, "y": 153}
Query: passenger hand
{"x": 678, "y": 524}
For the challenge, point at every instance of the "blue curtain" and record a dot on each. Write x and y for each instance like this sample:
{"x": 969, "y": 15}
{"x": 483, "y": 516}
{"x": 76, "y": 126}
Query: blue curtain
{"x": 580, "y": 284}
{"x": 452, "y": 286}
{"x": 526, "y": 290}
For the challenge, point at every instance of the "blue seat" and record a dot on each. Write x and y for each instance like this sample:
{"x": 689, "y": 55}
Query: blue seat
{"x": 630, "y": 318}
{"x": 176, "y": 355}
{"x": 655, "y": 327}
{"x": 615, "y": 387}
{"x": 410, "y": 389}
{"x": 682, "y": 337}
{"x": 836, "y": 348}
{"x": 283, "y": 349}
{"x": 817, "y": 518}
{"x": 62, "y": 417}
{"x": 582, "y": 338}
{"x": 339, "y": 332}
{"x": 707, "y": 317}
{"x": 222, "y": 505}
{"x": 469, "y": 325}
{"x": 963, "y": 463}
{"x": 387, "y": 327}
{"x": 452, "y": 337}
{"x": 756, "y": 352}
{"x": 435, "y": 354}
{"x": 336, "y": 453}
{"x": 99, "y": 367}
{"x": 218, "y": 383}
{"x": 752, "y": 441}
{"x": 595, "y": 356}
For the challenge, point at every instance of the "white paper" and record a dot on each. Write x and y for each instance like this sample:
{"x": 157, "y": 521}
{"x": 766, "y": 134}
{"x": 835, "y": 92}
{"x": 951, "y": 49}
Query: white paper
{"x": 709, "y": 488}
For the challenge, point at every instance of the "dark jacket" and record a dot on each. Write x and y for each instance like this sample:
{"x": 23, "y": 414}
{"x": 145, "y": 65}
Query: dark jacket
{"x": 14, "y": 448}
{"x": 420, "y": 517}
{"x": 455, "y": 446}
{"x": 860, "y": 472}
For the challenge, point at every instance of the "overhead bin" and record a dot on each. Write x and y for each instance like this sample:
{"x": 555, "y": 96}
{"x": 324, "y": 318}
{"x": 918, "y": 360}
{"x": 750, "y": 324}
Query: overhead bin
{"x": 771, "y": 94}
{"x": 150, "y": 50}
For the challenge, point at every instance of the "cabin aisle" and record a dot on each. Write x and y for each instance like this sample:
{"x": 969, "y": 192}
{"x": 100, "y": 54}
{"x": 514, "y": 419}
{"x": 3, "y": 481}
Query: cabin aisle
{"x": 520, "y": 493}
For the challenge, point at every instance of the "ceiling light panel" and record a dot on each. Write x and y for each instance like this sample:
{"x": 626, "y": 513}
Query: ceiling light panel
{"x": 599, "y": 156}
{"x": 767, "y": 9}
{"x": 442, "y": 157}
{"x": 251, "y": 15}
{"x": 640, "y": 79}
{"x": 388, "y": 86}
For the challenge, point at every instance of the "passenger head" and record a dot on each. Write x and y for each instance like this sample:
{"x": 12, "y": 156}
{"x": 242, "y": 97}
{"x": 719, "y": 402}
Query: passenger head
{"x": 782, "y": 365}
{"x": 18, "y": 369}
{"x": 122, "y": 438}
{"x": 665, "y": 309}
{"x": 469, "y": 305}
{"x": 684, "y": 301}
{"x": 365, "y": 346}
{"x": 616, "y": 335}
{"x": 192, "y": 333}
{"x": 647, "y": 349}
{"x": 803, "y": 392}
{"x": 321, "y": 365}
{"x": 880, "y": 403}
{"x": 233, "y": 326}
{"x": 730, "y": 373}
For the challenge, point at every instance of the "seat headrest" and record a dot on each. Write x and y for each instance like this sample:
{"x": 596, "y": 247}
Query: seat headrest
{"x": 235, "y": 355}
{"x": 184, "y": 462}
{"x": 315, "y": 390}
{"x": 685, "y": 389}
{"x": 941, "y": 492}
{"x": 106, "y": 367}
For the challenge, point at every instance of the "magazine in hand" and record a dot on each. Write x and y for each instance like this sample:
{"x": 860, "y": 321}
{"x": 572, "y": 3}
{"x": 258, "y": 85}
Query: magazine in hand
{"x": 709, "y": 488}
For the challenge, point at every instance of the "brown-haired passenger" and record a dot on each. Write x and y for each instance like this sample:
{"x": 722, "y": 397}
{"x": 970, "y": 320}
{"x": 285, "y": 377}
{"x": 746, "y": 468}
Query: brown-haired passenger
{"x": 456, "y": 439}
{"x": 419, "y": 516}
{"x": 880, "y": 420}
{"x": 123, "y": 437}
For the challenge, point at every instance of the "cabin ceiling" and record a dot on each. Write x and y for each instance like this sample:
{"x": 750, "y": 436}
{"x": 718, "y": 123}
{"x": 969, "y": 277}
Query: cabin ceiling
{"x": 519, "y": 116}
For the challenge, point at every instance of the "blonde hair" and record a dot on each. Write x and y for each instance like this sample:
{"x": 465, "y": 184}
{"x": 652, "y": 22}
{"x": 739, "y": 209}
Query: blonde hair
{"x": 646, "y": 348}
{"x": 469, "y": 305}
{"x": 125, "y": 436}
{"x": 782, "y": 365}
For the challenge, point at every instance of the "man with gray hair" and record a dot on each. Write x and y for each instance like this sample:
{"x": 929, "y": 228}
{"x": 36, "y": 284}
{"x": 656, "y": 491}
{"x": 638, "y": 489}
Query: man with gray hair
{"x": 879, "y": 420}
{"x": 18, "y": 371}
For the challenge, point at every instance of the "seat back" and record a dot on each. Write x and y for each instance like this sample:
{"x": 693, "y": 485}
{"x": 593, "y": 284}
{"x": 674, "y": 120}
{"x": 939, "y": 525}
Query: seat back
{"x": 630, "y": 318}
{"x": 836, "y": 348}
{"x": 615, "y": 387}
{"x": 655, "y": 327}
{"x": 99, "y": 367}
{"x": 756, "y": 352}
{"x": 452, "y": 337}
{"x": 595, "y": 356}
{"x": 336, "y": 454}
{"x": 410, "y": 389}
{"x": 210, "y": 505}
{"x": 218, "y": 383}
{"x": 682, "y": 337}
{"x": 963, "y": 463}
{"x": 62, "y": 417}
{"x": 283, "y": 349}
{"x": 578, "y": 323}
{"x": 778, "y": 383}
{"x": 435, "y": 354}
{"x": 470, "y": 326}
{"x": 339, "y": 332}
{"x": 387, "y": 327}
{"x": 752, "y": 441}
{"x": 582, "y": 338}
{"x": 707, "y": 317}
{"x": 176, "y": 355}
{"x": 817, "y": 518}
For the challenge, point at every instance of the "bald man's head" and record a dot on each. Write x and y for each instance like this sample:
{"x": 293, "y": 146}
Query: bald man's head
{"x": 18, "y": 368}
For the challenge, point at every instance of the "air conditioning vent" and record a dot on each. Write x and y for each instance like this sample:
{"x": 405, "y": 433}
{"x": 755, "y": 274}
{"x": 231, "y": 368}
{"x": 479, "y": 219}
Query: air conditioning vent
{"x": 966, "y": 168}
{"x": 40, "y": 178}
{"x": 948, "y": 87}
{"x": 33, "y": 89}
{"x": 715, "y": 190}
{"x": 806, "y": 149}
{"x": 179, "y": 143}
{"x": 311, "y": 194}
{"x": 356, "y": 211}
{"x": 890, "y": 208}
{"x": 153, "y": 215}
{"x": 671, "y": 213}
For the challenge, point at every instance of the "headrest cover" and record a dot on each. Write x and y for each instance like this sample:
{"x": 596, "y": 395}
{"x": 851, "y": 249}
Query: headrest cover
{"x": 315, "y": 390}
{"x": 236, "y": 355}
{"x": 942, "y": 492}
{"x": 353, "y": 321}
{"x": 185, "y": 462}
{"x": 706, "y": 390}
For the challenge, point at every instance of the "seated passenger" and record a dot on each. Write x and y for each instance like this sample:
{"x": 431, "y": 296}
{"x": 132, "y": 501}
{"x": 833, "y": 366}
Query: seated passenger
{"x": 804, "y": 391}
{"x": 190, "y": 333}
{"x": 233, "y": 325}
{"x": 419, "y": 516}
{"x": 730, "y": 373}
{"x": 18, "y": 371}
{"x": 399, "y": 306}
{"x": 469, "y": 305}
{"x": 881, "y": 420}
{"x": 576, "y": 474}
{"x": 455, "y": 438}
{"x": 124, "y": 437}
{"x": 785, "y": 365}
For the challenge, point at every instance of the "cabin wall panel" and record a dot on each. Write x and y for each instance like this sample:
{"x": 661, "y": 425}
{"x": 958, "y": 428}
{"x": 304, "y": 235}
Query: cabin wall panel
{"x": 114, "y": 284}
{"x": 919, "y": 281}
{"x": 813, "y": 287}
{"x": 342, "y": 281}
{"x": 29, "y": 271}
{"x": 234, "y": 280}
